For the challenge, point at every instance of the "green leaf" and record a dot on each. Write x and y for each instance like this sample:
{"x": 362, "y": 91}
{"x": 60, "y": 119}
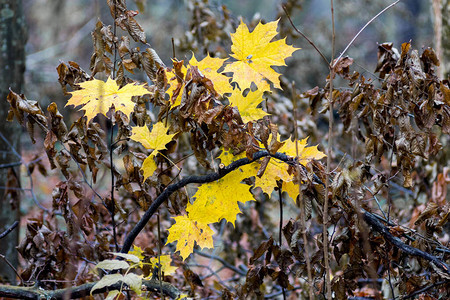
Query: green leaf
{"x": 113, "y": 294}
{"x": 130, "y": 257}
{"x": 134, "y": 282}
{"x": 112, "y": 264}
{"x": 107, "y": 280}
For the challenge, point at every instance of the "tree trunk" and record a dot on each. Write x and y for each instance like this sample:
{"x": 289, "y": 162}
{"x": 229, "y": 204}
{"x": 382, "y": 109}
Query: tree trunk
{"x": 12, "y": 67}
{"x": 441, "y": 11}
{"x": 445, "y": 38}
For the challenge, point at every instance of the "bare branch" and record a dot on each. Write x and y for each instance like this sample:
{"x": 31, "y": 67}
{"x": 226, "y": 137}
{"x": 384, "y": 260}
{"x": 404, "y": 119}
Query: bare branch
{"x": 306, "y": 38}
{"x": 362, "y": 29}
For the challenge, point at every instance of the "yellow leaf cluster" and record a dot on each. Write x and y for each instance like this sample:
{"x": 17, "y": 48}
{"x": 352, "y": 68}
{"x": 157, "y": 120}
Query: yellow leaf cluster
{"x": 214, "y": 201}
{"x": 219, "y": 200}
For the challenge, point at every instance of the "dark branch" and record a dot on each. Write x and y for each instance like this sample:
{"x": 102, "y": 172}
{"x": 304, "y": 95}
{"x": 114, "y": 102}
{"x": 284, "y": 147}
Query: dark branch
{"x": 378, "y": 226}
{"x": 193, "y": 179}
{"x": 223, "y": 262}
{"x": 7, "y": 231}
{"x": 84, "y": 290}
{"x": 423, "y": 290}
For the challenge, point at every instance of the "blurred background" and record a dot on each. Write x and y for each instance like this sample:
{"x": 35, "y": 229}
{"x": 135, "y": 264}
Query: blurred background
{"x": 61, "y": 31}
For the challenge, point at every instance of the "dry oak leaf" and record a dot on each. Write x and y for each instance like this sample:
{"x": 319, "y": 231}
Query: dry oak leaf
{"x": 209, "y": 67}
{"x": 219, "y": 199}
{"x": 155, "y": 140}
{"x": 97, "y": 97}
{"x": 175, "y": 90}
{"x": 255, "y": 54}
{"x": 187, "y": 231}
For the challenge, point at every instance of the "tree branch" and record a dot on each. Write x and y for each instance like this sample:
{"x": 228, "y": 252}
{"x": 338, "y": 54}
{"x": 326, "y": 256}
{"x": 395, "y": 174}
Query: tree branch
{"x": 376, "y": 224}
{"x": 34, "y": 293}
{"x": 9, "y": 229}
{"x": 193, "y": 179}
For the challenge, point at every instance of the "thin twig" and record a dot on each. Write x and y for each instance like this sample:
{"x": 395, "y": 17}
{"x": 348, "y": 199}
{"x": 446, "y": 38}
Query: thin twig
{"x": 280, "y": 196}
{"x": 362, "y": 29}
{"x": 301, "y": 199}
{"x": 280, "y": 233}
{"x": 306, "y": 38}
{"x": 329, "y": 155}
{"x": 33, "y": 195}
{"x": 11, "y": 165}
{"x": 159, "y": 255}
{"x": 173, "y": 48}
{"x": 389, "y": 198}
{"x": 222, "y": 261}
{"x": 12, "y": 267}
{"x": 112, "y": 205}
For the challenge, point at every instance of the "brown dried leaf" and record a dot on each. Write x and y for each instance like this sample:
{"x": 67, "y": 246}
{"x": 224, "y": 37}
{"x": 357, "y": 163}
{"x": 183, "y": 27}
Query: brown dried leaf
{"x": 261, "y": 250}
{"x": 192, "y": 278}
{"x": 429, "y": 211}
{"x": 70, "y": 75}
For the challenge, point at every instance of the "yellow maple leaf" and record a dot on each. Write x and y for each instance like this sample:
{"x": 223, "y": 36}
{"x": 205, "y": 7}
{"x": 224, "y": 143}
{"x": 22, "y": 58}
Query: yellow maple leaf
{"x": 273, "y": 172}
{"x": 255, "y": 54}
{"x": 277, "y": 170}
{"x": 97, "y": 97}
{"x": 226, "y": 157}
{"x": 149, "y": 166}
{"x": 137, "y": 251}
{"x": 291, "y": 189}
{"x": 219, "y": 199}
{"x": 165, "y": 261}
{"x": 154, "y": 140}
{"x": 247, "y": 105}
{"x": 305, "y": 153}
{"x": 208, "y": 67}
{"x": 187, "y": 231}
